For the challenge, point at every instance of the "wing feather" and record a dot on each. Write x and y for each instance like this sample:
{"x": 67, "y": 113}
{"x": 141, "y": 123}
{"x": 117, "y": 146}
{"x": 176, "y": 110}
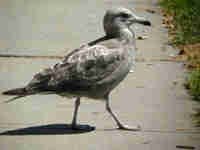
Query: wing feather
{"x": 86, "y": 67}
{"x": 81, "y": 69}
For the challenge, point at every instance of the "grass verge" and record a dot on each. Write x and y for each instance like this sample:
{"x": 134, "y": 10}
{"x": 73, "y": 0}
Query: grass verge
{"x": 182, "y": 18}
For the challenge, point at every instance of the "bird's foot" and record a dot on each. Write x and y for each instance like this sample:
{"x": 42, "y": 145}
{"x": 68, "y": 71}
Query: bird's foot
{"x": 129, "y": 128}
{"x": 82, "y": 127}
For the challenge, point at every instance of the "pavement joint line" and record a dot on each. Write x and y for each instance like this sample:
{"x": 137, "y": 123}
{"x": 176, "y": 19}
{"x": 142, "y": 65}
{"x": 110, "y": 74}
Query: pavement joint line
{"x": 62, "y": 57}
{"x": 186, "y": 131}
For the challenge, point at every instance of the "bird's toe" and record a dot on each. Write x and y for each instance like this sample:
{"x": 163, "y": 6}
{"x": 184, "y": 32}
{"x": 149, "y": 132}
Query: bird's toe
{"x": 130, "y": 128}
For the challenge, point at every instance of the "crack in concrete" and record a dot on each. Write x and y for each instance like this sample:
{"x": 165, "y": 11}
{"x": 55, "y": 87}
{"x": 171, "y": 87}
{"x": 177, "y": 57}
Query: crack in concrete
{"x": 62, "y": 57}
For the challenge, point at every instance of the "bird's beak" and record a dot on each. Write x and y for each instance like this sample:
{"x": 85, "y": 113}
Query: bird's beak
{"x": 140, "y": 20}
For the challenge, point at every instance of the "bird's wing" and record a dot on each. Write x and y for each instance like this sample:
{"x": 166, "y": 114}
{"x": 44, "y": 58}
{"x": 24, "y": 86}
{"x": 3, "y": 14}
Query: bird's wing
{"x": 41, "y": 79}
{"x": 81, "y": 68}
{"x": 84, "y": 68}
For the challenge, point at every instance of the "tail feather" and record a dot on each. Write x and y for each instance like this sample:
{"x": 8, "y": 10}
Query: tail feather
{"x": 17, "y": 91}
{"x": 13, "y": 99}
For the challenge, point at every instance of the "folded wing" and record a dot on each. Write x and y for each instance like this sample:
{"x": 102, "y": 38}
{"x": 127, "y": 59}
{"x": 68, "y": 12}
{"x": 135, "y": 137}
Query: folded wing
{"x": 79, "y": 70}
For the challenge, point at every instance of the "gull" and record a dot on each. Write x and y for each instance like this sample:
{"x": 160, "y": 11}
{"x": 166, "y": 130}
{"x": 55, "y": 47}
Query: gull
{"x": 94, "y": 69}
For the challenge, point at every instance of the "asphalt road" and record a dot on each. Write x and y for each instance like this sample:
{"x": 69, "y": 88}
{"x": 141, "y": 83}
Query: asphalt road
{"x": 153, "y": 96}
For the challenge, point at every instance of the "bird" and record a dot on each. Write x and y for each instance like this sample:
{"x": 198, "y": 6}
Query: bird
{"x": 93, "y": 70}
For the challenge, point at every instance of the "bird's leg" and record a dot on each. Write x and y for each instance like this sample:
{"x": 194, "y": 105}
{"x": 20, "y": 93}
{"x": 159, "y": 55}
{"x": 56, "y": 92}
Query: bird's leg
{"x": 75, "y": 126}
{"x": 119, "y": 124}
{"x": 77, "y": 104}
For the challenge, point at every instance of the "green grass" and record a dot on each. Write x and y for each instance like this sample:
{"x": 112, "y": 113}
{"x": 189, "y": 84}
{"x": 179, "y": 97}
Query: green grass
{"x": 193, "y": 84}
{"x": 186, "y": 19}
{"x": 186, "y": 15}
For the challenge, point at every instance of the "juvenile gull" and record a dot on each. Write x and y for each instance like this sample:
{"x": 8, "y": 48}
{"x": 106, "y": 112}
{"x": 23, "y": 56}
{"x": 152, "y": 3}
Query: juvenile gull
{"x": 93, "y": 70}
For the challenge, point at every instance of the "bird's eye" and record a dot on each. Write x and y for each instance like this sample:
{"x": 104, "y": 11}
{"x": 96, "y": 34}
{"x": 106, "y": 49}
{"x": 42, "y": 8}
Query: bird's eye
{"x": 124, "y": 15}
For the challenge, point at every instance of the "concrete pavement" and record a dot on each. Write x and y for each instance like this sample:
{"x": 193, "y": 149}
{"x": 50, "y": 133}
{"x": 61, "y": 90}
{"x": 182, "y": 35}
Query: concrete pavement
{"x": 153, "y": 96}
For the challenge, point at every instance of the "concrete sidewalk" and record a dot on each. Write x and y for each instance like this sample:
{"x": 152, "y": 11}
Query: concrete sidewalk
{"x": 153, "y": 96}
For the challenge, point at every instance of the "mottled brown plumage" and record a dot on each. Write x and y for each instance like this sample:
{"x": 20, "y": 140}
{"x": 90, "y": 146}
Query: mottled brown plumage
{"x": 94, "y": 69}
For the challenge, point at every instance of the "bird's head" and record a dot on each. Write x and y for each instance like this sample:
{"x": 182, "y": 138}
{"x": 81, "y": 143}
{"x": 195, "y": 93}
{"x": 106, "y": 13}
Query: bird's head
{"x": 119, "y": 18}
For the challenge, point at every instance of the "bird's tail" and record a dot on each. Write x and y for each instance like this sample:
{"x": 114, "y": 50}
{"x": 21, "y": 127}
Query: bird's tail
{"x": 17, "y": 91}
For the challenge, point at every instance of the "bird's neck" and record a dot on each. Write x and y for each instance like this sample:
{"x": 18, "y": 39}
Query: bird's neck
{"x": 124, "y": 34}
{"x": 127, "y": 36}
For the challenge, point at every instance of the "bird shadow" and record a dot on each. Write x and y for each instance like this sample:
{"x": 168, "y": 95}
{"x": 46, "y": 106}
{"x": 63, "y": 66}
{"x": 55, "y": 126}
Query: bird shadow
{"x": 50, "y": 129}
